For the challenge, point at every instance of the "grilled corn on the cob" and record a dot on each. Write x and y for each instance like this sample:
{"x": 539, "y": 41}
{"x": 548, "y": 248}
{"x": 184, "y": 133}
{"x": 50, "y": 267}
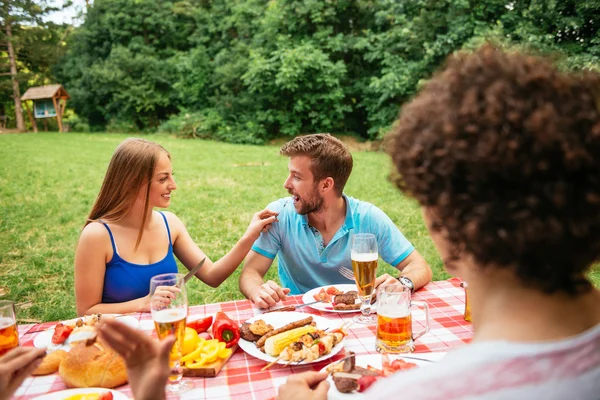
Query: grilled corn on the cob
{"x": 275, "y": 344}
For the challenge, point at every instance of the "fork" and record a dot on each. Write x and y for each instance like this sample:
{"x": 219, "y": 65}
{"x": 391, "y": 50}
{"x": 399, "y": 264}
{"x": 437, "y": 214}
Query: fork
{"x": 347, "y": 273}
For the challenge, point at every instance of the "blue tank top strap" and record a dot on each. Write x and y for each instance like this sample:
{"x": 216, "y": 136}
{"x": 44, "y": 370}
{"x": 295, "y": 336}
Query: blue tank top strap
{"x": 167, "y": 225}
{"x": 112, "y": 239}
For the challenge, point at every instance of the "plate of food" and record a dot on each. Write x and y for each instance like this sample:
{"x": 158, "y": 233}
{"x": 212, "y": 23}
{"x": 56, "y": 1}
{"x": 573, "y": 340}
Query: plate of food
{"x": 291, "y": 338}
{"x": 336, "y": 298}
{"x": 63, "y": 334}
{"x": 84, "y": 394}
{"x": 351, "y": 377}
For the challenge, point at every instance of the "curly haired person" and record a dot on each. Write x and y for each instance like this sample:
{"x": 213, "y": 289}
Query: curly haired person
{"x": 502, "y": 151}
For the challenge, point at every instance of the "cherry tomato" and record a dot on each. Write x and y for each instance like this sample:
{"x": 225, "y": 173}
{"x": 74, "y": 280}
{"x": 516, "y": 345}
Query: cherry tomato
{"x": 201, "y": 325}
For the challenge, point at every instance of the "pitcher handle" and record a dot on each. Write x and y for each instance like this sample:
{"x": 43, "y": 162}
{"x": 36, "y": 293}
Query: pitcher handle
{"x": 423, "y": 305}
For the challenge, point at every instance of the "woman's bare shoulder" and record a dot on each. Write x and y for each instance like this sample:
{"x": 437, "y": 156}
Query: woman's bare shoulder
{"x": 94, "y": 232}
{"x": 172, "y": 218}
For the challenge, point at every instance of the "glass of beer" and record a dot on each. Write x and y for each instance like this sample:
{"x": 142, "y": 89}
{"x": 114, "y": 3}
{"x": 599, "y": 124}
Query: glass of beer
{"x": 9, "y": 335}
{"x": 364, "y": 257}
{"x": 394, "y": 320}
{"x": 467, "y": 305}
{"x": 169, "y": 308}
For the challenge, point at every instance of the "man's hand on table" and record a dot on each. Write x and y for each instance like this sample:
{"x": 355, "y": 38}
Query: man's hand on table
{"x": 147, "y": 359}
{"x": 305, "y": 386}
{"x": 268, "y": 294}
{"x": 385, "y": 279}
{"x": 15, "y": 366}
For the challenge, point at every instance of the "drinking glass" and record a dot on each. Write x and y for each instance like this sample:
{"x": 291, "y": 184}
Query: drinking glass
{"x": 169, "y": 308}
{"x": 394, "y": 320}
{"x": 9, "y": 335}
{"x": 364, "y": 264}
{"x": 467, "y": 305}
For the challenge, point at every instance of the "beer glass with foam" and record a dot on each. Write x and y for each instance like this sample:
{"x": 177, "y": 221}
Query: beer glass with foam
{"x": 394, "y": 320}
{"x": 169, "y": 308}
{"x": 9, "y": 336}
{"x": 364, "y": 257}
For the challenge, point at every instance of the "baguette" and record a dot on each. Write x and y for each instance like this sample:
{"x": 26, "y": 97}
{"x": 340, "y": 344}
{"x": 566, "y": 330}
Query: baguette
{"x": 292, "y": 325}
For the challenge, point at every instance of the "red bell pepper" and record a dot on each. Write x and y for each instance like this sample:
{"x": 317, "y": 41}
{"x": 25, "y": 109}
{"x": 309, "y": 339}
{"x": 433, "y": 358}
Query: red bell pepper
{"x": 201, "y": 325}
{"x": 225, "y": 330}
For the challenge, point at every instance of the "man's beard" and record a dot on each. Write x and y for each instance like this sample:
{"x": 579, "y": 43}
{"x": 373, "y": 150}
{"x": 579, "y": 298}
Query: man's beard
{"x": 310, "y": 204}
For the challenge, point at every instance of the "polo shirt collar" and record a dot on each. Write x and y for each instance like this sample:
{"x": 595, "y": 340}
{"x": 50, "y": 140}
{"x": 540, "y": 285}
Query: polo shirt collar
{"x": 348, "y": 222}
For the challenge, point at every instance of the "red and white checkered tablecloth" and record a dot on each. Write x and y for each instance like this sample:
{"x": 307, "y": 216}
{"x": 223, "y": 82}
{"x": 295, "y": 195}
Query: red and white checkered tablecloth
{"x": 241, "y": 377}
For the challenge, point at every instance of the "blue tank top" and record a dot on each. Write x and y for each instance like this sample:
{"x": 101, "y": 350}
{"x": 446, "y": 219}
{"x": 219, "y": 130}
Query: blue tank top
{"x": 125, "y": 281}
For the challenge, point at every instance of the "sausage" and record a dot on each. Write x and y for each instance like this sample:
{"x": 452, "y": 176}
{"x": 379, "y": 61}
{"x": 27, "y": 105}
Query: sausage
{"x": 285, "y": 328}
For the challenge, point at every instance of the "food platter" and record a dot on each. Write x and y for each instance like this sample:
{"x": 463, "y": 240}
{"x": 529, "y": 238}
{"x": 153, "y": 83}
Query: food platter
{"x": 308, "y": 297}
{"x": 374, "y": 360}
{"x": 43, "y": 340}
{"x": 64, "y": 394}
{"x": 279, "y": 319}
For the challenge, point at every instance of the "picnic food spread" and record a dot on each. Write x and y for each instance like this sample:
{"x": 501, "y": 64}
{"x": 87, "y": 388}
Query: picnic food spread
{"x": 339, "y": 300}
{"x": 296, "y": 341}
{"x": 63, "y": 331}
{"x": 203, "y": 355}
{"x": 348, "y": 377}
{"x": 96, "y": 365}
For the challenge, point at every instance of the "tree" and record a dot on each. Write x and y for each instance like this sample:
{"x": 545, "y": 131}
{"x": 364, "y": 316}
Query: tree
{"x": 15, "y": 14}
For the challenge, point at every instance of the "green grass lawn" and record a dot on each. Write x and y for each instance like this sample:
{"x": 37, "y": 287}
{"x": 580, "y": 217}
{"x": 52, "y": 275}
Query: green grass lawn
{"x": 49, "y": 182}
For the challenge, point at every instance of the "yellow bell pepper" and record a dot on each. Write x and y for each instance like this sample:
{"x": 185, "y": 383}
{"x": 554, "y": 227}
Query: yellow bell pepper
{"x": 211, "y": 352}
{"x": 225, "y": 353}
{"x": 198, "y": 363}
{"x": 196, "y": 353}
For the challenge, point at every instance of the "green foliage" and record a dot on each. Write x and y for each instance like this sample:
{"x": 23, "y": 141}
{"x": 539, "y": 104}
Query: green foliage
{"x": 37, "y": 44}
{"x": 249, "y": 70}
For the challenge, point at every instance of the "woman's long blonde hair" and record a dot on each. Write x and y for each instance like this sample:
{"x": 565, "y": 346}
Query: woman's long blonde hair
{"x": 130, "y": 168}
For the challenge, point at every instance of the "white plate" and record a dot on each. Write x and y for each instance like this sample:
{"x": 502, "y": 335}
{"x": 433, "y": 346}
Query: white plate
{"x": 279, "y": 319}
{"x": 327, "y": 307}
{"x": 63, "y": 394}
{"x": 374, "y": 360}
{"x": 43, "y": 340}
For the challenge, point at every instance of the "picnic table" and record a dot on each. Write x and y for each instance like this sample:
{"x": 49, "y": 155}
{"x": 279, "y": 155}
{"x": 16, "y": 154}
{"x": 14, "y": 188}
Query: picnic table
{"x": 242, "y": 378}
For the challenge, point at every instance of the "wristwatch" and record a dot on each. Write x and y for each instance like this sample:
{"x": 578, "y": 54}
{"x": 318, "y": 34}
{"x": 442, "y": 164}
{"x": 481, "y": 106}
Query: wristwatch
{"x": 407, "y": 282}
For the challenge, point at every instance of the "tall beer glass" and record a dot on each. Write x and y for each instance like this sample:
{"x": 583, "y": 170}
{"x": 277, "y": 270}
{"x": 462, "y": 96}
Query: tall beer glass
{"x": 169, "y": 308}
{"x": 467, "y": 304}
{"x": 394, "y": 320}
{"x": 364, "y": 257}
{"x": 9, "y": 336}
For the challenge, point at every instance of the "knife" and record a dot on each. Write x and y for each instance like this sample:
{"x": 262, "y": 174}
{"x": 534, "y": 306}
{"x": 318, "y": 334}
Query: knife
{"x": 293, "y": 308}
{"x": 193, "y": 271}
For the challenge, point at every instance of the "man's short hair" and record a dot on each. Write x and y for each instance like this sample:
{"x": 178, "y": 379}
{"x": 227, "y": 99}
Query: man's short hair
{"x": 505, "y": 150}
{"x": 329, "y": 157}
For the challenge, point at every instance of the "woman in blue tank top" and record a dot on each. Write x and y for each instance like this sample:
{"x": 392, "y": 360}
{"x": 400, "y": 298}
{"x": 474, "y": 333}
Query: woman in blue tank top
{"x": 124, "y": 242}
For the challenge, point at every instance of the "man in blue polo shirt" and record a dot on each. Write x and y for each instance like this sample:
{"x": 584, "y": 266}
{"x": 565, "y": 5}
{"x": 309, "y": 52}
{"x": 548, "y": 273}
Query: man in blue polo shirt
{"x": 315, "y": 228}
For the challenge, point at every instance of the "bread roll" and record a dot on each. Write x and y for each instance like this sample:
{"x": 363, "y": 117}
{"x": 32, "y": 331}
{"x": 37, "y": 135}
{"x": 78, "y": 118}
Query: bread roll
{"x": 50, "y": 363}
{"x": 96, "y": 365}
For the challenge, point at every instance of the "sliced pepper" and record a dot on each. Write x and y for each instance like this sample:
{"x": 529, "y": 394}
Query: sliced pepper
{"x": 199, "y": 363}
{"x": 225, "y": 353}
{"x": 196, "y": 353}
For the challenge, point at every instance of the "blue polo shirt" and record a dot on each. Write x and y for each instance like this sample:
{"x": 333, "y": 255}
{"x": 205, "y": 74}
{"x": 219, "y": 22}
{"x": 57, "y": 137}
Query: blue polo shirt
{"x": 305, "y": 264}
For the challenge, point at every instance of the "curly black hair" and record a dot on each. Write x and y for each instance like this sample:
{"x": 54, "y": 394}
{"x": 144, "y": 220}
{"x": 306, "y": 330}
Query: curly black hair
{"x": 505, "y": 150}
